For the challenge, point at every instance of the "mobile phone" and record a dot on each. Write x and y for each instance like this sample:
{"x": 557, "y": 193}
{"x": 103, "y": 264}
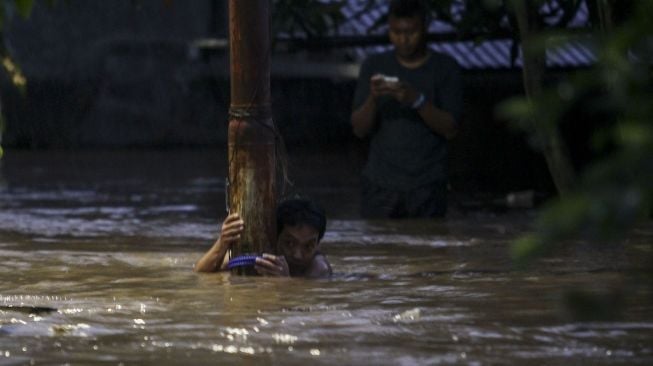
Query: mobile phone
{"x": 386, "y": 79}
{"x": 390, "y": 79}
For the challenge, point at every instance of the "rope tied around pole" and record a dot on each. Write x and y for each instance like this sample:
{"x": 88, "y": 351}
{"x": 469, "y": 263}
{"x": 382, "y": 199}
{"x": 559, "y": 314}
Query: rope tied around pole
{"x": 255, "y": 112}
{"x": 262, "y": 116}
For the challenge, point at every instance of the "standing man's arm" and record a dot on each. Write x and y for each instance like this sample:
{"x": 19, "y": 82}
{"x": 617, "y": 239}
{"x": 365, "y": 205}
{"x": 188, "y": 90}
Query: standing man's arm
{"x": 368, "y": 87}
{"x": 438, "y": 120}
{"x": 443, "y": 121}
{"x": 363, "y": 118}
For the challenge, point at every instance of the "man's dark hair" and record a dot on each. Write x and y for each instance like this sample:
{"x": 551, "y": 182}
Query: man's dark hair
{"x": 409, "y": 9}
{"x": 298, "y": 211}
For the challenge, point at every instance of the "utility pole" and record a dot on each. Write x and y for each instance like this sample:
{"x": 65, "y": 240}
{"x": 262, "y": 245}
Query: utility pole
{"x": 251, "y": 137}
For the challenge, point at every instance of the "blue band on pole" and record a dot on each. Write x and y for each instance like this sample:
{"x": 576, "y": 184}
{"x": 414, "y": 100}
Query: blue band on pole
{"x": 242, "y": 261}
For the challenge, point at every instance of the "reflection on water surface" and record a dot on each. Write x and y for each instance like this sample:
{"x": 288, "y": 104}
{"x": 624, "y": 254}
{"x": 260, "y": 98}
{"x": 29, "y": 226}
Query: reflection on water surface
{"x": 109, "y": 240}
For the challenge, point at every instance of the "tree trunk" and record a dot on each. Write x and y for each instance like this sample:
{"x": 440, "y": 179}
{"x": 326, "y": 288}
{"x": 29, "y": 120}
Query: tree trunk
{"x": 251, "y": 134}
{"x": 605, "y": 16}
{"x": 534, "y": 64}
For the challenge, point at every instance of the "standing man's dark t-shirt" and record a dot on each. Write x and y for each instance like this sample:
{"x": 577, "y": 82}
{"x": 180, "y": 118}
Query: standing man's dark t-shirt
{"x": 405, "y": 154}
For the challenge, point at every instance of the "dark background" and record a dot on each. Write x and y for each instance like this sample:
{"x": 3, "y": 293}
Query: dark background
{"x": 125, "y": 75}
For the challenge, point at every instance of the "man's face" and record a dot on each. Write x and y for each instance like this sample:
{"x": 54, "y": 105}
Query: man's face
{"x": 407, "y": 35}
{"x": 298, "y": 244}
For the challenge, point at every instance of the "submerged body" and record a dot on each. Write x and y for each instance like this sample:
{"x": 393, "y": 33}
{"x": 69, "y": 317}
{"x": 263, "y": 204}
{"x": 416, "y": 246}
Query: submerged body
{"x": 301, "y": 226}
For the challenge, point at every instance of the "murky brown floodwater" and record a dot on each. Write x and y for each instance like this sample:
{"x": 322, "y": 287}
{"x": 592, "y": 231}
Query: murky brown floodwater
{"x": 109, "y": 240}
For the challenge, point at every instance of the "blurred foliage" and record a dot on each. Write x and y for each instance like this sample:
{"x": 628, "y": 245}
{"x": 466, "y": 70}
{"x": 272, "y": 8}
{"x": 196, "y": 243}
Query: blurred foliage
{"x": 615, "y": 191}
{"x": 15, "y": 73}
{"x": 24, "y": 7}
{"x": 7, "y": 9}
{"x": 307, "y": 18}
{"x": 495, "y": 16}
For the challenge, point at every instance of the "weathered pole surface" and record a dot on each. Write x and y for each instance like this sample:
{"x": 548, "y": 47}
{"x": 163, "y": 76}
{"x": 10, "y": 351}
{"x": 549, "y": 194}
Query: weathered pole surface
{"x": 251, "y": 151}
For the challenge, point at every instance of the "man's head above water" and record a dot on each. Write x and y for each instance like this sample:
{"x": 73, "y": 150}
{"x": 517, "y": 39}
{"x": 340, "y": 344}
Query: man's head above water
{"x": 300, "y": 227}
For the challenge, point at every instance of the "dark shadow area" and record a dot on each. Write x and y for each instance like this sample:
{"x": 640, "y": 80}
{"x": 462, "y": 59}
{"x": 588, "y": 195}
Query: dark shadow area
{"x": 134, "y": 78}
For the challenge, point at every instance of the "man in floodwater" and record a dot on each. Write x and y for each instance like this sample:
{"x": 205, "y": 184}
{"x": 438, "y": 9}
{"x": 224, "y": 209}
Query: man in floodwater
{"x": 408, "y": 103}
{"x": 300, "y": 227}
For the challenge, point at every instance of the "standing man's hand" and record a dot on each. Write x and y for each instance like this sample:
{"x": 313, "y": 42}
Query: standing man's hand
{"x": 404, "y": 93}
{"x": 399, "y": 90}
{"x": 379, "y": 87}
{"x": 363, "y": 118}
{"x": 272, "y": 265}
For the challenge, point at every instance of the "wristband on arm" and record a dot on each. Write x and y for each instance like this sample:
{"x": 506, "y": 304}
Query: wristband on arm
{"x": 419, "y": 102}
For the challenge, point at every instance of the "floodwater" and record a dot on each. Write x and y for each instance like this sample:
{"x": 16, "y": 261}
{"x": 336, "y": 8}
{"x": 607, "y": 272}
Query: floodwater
{"x": 97, "y": 250}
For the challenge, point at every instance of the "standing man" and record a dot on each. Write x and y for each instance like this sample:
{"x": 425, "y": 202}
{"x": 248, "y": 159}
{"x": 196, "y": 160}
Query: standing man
{"x": 408, "y": 101}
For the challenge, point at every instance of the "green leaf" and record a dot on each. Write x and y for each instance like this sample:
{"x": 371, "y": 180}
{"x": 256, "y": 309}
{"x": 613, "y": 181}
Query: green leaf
{"x": 634, "y": 134}
{"x": 24, "y": 7}
{"x": 517, "y": 108}
{"x": 563, "y": 218}
{"x": 525, "y": 249}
